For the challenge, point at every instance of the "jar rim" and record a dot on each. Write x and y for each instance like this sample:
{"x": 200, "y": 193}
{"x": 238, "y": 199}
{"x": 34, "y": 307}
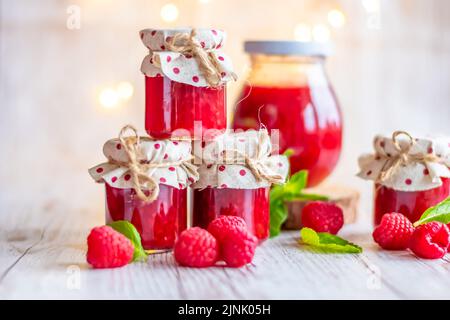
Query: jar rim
{"x": 283, "y": 47}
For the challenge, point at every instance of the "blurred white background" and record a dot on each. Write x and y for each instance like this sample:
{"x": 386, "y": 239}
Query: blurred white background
{"x": 59, "y": 97}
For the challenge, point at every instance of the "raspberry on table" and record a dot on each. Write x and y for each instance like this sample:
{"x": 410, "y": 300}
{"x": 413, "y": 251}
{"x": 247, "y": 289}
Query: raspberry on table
{"x": 196, "y": 247}
{"x": 238, "y": 248}
{"x": 322, "y": 217}
{"x": 222, "y": 225}
{"x": 394, "y": 232}
{"x": 430, "y": 240}
{"x": 108, "y": 248}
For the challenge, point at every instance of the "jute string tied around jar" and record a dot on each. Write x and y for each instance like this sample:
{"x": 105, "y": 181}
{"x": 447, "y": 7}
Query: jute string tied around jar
{"x": 138, "y": 169}
{"x": 207, "y": 60}
{"x": 257, "y": 165}
{"x": 403, "y": 158}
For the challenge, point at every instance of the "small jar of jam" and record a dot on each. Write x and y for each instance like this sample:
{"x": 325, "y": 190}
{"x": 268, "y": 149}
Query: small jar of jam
{"x": 410, "y": 203}
{"x": 288, "y": 89}
{"x": 185, "y": 81}
{"x": 410, "y": 174}
{"x": 146, "y": 184}
{"x": 158, "y": 222}
{"x": 229, "y": 183}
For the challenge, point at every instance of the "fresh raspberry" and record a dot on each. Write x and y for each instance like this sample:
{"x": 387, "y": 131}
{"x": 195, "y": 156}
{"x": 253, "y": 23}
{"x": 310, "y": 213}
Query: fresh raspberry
{"x": 196, "y": 247}
{"x": 430, "y": 240}
{"x": 223, "y": 225}
{"x": 108, "y": 248}
{"x": 238, "y": 248}
{"x": 322, "y": 217}
{"x": 393, "y": 232}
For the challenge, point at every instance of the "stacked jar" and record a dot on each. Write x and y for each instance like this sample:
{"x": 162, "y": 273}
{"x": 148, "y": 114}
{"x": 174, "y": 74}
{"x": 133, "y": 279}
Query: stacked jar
{"x": 185, "y": 82}
{"x": 146, "y": 178}
{"x": 235, "y": 178}
{"x": 146, "y": 184}
{"x": 185, "y": 95}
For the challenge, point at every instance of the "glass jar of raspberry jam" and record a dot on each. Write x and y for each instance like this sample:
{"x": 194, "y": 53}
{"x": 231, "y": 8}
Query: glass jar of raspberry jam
{"x": 289, "y": 90}
{"x": 146, "y": 184}
{"x": 410, "y": 174}
{"x": 252, "y": 205}
{"x": 172, "y": 106}
{"x": 158, "y": 222}
{"x": 185, "y": 81}
{"x": 236, "y": 173}
{"x": 410, "y": 203}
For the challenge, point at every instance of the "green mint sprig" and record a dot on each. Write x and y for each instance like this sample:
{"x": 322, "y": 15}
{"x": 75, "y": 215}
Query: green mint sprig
{"x": 440, "y": 212}
{"x": 327, "y": 242}
{"x": 129, "y": 231}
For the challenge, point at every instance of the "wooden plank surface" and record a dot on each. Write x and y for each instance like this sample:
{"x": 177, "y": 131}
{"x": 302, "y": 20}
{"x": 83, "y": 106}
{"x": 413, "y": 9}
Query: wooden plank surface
{"x": 42, "y": 255}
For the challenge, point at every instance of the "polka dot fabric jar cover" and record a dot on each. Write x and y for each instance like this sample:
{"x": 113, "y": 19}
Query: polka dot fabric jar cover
{"x": 180, "y": 67}
{"x": 179, "y": 175}
{"x": 235, "y": 179}
{"x": 224, "y": 164}
{"x": 410, "y": 174}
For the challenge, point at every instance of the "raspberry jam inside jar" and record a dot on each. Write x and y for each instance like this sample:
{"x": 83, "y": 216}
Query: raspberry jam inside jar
{"x": 410, "y": 203}
{"x": 290, "y": 91}
{"x": 252, "y": 205}
{"x": 158, "y": 222}
{"x": 171, "y": 106}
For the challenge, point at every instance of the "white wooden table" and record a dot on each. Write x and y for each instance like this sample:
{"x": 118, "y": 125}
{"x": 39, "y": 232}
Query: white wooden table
{"x": 42, "y": 255}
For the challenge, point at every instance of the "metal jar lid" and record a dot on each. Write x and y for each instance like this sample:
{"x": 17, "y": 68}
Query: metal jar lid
{"x": 280, "y": 47}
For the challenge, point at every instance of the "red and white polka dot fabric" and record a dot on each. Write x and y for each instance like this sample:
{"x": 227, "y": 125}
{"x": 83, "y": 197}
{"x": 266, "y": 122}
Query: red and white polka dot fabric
{"x": 415, "y": 176}
{"x": 178, "y": 67}
{"x": 219, "y": 172}
{"x": 153, "y": 151}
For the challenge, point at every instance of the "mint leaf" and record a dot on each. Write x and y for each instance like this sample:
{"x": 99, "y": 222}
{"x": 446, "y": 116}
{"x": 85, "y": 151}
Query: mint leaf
{"x": 440, "y": 212}
{"x": 129, "y": 231}
{"x": 278, "y": 215}
{"x": 291, "y": 190}
{"x": 278, "y": 195}
{"x": 288, "y": 152}
{"x": 329, "y": 243}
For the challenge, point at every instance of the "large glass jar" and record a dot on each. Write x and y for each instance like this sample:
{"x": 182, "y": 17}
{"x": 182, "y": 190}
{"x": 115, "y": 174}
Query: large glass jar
{"x": 172, "y": 106}
{"x": 288, "y": 89}
{"x": 158, "y": 222}
{"x": 252, "y": 205}
{"x": 410, "y": 203}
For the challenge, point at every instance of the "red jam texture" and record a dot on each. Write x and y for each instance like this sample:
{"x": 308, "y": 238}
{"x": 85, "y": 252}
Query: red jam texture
{"x": 252, "y": 205}
{"x": 410, "y": 203}
{"x": 171, "y": 105}
{"x": 309, "y": 120}
{"x": 158, "y": 222}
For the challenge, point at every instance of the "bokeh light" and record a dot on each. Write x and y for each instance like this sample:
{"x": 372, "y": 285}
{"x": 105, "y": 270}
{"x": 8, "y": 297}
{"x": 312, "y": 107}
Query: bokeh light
{"x": 336, "y": 18}
{"x": 125, "y": 90}
{"x": 108, "y": 98}
{"x": 169, "y": 12}
{"x": 302, "y": 32}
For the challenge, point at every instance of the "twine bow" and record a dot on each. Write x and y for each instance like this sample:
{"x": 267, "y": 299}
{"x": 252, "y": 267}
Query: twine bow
{"x": 403, "y": 157}
{"x": 257, "y": 165}
{"x": 138, "y": 169}
{"x": 209, "y": 65}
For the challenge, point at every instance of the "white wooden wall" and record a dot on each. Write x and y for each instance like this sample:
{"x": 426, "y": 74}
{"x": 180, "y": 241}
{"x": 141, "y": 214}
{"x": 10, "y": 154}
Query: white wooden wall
{"x": 52, "y": 127}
